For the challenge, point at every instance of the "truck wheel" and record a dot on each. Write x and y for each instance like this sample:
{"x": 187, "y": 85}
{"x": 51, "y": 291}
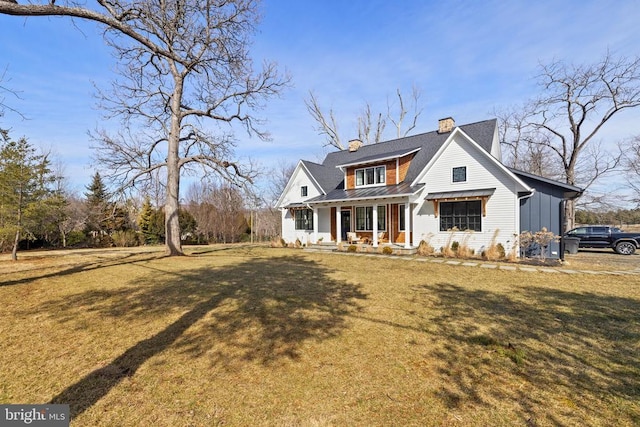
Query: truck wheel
{"x": 625, "y": 248}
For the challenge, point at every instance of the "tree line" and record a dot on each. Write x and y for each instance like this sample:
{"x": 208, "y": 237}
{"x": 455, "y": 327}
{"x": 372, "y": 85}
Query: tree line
{"x": 617, "y": 217}
{"x": 36, "y": 210}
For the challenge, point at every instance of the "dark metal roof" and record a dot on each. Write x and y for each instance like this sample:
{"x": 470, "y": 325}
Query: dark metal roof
{"x": 296, "y": 206}
{"x": 381, "y": 156}
{"x": 570, "y": 191}
{"x": 367, "y": 193}
{"x": 460, "y": 194}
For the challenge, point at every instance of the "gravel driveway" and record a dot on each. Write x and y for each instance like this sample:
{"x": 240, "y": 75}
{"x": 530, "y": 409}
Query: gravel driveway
{"x": 602, "y": 259}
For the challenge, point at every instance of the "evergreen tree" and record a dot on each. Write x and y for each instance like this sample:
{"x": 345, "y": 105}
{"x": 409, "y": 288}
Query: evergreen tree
{"x": 24, "y": 180}
{"x": 145, "y": 221}
{"x": 97, "y": 204}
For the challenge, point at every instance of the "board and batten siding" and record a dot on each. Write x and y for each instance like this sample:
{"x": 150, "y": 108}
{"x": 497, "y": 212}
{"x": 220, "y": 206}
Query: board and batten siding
{"x": 501, "y": 209}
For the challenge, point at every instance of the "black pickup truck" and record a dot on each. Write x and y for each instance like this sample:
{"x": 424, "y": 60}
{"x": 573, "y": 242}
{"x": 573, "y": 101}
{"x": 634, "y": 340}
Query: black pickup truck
{"x": 597, "y": 236}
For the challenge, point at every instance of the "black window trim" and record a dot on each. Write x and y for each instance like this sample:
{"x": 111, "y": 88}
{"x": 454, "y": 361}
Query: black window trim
{"x": 449, "y": 220}
{"x": 453, "y": 174}
{"x": 308, "y": 219}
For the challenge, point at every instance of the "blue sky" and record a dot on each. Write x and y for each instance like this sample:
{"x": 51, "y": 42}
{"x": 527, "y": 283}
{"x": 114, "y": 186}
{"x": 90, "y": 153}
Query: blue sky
{"x": 467, "y": 57}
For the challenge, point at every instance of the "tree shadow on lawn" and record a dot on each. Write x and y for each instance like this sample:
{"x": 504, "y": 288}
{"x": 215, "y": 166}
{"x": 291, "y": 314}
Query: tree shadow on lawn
{"x": 125, "y": 258}
{"x": 583, "y": 346}
{"x": 260, "y": 309}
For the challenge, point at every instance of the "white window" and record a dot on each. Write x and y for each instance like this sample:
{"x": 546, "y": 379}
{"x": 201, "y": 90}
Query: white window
{"x": 371, "y": 176}
{"x": 303, "y": 191}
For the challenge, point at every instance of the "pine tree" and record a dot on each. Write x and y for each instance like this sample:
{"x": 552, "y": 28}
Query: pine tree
{"x": 97, "y": 204}
{"x": 24, "y": 180}
{"x": 145, "y": 221}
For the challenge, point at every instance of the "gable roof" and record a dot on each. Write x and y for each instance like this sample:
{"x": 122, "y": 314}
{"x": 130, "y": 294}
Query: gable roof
{"x": 325, "y": 177}
{"x": 425, "y": 145}
{"x": 570, "y": 191}
{"x": 381, "y": 157}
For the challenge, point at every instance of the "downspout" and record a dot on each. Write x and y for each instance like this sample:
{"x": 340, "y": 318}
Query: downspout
{"x": 563, "y": 205}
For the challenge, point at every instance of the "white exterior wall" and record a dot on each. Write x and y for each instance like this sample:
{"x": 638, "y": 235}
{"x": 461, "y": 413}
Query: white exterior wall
{"x": 502, "y": 207}
{"x": 292, "y": 194}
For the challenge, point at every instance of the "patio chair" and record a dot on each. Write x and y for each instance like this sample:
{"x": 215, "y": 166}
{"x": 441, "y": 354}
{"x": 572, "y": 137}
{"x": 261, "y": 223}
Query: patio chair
{"x": 352, "y": 237}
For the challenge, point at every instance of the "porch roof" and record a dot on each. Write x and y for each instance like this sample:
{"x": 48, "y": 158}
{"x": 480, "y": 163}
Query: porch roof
{"x": 448, "y": 195}
{"x": 380, "y": 157}
{"x": 368, "y": 193}
{"x": 296, "y": 206}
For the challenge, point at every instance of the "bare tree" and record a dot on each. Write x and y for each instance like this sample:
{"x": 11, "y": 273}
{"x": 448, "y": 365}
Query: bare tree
{"x": 402, "y": 112}
{"x": 4, "y": 90}
{"x": 327, "y": 126}
{"x": 565, "y": 120}
{"x": 371, "y": 126}
{"x": 181, "y": 63}
{"x": 279, "y": 178}
{"x": 219, "y": 211}
{"x": 631, "y": 165}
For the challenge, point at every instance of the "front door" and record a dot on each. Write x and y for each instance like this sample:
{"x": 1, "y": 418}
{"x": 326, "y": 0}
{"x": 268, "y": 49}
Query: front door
{"x": 345, "y": 223}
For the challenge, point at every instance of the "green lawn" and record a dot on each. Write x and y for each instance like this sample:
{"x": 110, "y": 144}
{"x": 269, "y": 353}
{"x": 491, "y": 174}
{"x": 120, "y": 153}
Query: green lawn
{"x": 238, "y": 335}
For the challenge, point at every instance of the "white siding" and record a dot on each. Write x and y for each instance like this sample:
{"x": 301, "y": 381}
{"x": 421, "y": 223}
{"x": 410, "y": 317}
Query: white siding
{"x": 291, "y": 195}
{"x": 482, "y": 172}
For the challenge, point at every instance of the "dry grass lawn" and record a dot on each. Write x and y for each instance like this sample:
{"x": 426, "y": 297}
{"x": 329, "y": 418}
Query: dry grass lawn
{"x": 241, "y": 336}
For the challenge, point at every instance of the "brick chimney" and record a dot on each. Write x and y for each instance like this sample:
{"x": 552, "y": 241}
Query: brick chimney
{"x": 354, "y": 145}
{"x": 446, "y": 125}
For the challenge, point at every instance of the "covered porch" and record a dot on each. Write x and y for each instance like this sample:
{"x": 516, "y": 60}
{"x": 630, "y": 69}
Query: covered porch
{"x": 371, "y": 216}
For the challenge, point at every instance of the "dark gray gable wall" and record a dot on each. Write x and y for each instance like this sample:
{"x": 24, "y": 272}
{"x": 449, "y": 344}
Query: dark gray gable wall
{"x": 545, "y": 207}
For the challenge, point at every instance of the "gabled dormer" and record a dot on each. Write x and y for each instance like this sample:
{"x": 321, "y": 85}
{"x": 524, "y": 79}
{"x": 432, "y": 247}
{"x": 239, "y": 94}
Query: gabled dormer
{"x": 378, "y": 170}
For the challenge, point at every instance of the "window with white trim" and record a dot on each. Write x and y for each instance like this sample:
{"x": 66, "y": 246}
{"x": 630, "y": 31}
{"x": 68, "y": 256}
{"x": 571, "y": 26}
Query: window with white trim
{"x": 401, "y": 225}
{"x": 364, "y": 218}
{"x": 459, "y": 174}
{"x": 304, "y": 219}
{"x": 371, "y": 176}
{"x": 303, "y": 191}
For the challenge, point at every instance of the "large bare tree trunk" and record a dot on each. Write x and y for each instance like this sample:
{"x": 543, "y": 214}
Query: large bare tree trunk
{"x": 173, "y": 245}
{"x": 203, "y": 47}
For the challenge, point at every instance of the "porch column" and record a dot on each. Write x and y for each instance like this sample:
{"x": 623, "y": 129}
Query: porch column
{"x": 338, "y": 224}
{"x": 407, "y": 225}
{"x": 375, "y": 226}
{"x": 315, "y": 225}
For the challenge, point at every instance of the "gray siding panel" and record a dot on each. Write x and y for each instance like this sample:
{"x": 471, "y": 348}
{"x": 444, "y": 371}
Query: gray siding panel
{"x": 543, "y": 210}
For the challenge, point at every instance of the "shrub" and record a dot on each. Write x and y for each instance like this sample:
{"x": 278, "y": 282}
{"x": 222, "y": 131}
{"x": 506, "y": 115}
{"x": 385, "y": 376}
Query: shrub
{"x": 455, "y": 245}
{"x": 495, "y": 251}
{"x": 352, "y": 248}
{"x": 425, "y": 249}
{"x": 387, "y": 250}
{"x": 447, "y": 250}
{"x": 535, "y": 244}
{"x": 125, "y": 239}
{"x": 298, "y": 243}
{"x": 277, "y": 242}
{"x": 76, "y": 238}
